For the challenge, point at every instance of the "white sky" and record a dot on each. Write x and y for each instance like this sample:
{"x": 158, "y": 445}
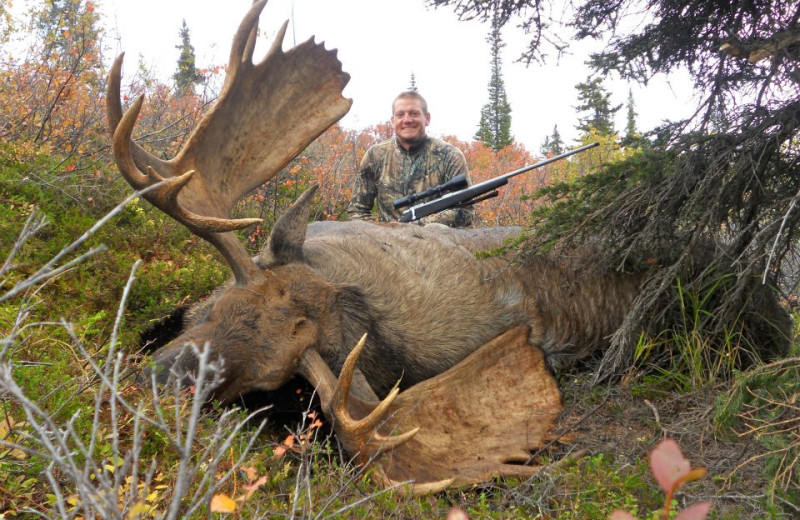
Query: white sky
{"x": 380, "y": 43}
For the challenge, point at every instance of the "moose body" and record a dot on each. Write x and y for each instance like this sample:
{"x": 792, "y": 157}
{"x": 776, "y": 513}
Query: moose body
{"x": 421, "y": 295}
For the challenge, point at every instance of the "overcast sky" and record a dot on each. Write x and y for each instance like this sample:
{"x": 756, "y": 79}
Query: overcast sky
{"x": 380, "y": 43}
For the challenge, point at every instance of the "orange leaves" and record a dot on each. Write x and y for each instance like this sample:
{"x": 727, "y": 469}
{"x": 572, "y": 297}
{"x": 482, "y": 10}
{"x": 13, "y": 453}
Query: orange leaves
{"x": 331, "y": 162}
{"x": 280, "y": 450}
{"x": 512, "y": 207}
{"x": 254, "y": 482}
{"x": 163, "y": 110}
{"x": 213, "y": 71}
{"x": 316, "y": 422}
{"x": 222, "y": 503}
{"x": 230, "y": 503}
{"x": 301, "y": 441}
{"x": 50, "y": 91}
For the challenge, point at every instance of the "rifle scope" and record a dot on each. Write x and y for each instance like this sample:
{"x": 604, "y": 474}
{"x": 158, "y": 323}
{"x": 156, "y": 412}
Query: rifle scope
{"x": 459, "y": 182}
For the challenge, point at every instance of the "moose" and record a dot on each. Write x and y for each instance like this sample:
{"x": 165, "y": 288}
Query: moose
{"x": 431, "y": 363}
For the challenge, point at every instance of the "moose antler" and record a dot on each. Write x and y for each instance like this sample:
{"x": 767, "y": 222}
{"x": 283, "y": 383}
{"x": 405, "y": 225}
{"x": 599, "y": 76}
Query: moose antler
{"x": 266, "y": 114}
{"x": 480, "y": 419}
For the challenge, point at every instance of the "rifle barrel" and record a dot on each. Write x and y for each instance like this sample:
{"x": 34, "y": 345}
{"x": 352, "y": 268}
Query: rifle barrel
{"x": 548, "y": 161}
{"x": 465, "y": 197}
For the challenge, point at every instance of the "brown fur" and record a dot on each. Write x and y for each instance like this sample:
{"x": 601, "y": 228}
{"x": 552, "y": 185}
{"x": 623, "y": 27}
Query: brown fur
{"x": 424, "y": 299}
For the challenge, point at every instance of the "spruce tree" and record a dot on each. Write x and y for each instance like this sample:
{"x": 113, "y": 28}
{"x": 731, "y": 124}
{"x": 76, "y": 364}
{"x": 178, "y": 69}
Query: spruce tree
{"x": 553, "y": 144}
{"x": 630, "y": 127}
{"x": 187, "y": 75}
{"x": 412, "y": 84}
{"x": 596, "y": 100}
{"x": 494, "y": 129}
{"x": 68, "y": 26}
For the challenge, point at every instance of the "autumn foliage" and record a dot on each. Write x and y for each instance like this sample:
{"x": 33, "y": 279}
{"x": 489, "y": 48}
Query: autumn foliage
{"x": 513, "y": 203}
{"x": 53, "y": 104}
{"x": 51, "y": 90}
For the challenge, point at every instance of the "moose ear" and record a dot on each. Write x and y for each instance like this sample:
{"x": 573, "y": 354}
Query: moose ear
{"x": 287, "y": 237}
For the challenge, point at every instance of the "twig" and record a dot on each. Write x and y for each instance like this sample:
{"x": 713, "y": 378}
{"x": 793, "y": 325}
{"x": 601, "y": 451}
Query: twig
{"x": 778, "y": 236}
{"x": 33, "y": 225}
{"x": 657, "y": 417}
{"x": 49, "y": 270}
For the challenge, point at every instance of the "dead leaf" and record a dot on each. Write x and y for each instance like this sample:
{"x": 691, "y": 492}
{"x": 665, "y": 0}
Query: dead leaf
{"x": 251, "y": 488}
{"x": 278, "y": 452}
{"x": 222, "y": 503}
{"x": 250, "y": 473}
{"x": 139, "y": 509}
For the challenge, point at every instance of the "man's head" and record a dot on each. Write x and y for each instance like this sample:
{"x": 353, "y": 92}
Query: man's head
{"x": 409, "y": 118}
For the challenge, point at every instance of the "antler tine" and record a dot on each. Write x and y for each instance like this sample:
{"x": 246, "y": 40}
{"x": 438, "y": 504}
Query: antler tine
{"x": 114, "y": 113}
{"x": 369, "y": 423}
{"x": 411, "y": 488}
{"x": 343, "y": 384}
{"x": 113, "y": 101}
{"x": 247, "y": 55}
{"x": 277, "y": 43}
{"x": 244, "y": 41}
{"x": 121, "y": 145}
{"x": 165, "y": 197}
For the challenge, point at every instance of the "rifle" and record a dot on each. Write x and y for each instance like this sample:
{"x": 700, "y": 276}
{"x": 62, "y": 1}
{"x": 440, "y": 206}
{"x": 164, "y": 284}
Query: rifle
{"x": 467, "y": 196}
{"x": 459, "y": 182}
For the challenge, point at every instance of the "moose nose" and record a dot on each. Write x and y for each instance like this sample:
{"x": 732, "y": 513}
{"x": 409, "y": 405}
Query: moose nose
{"x": 168, "y": 365}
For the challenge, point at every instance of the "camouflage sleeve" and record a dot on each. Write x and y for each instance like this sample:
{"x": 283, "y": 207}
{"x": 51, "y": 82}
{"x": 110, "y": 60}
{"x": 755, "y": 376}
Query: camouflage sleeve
{"x": 455, "y": 165}
{"x": 364, "y": 191}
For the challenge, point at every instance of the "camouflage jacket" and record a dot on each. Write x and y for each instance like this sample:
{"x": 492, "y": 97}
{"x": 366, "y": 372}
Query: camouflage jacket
{"x": 389, "y": 172}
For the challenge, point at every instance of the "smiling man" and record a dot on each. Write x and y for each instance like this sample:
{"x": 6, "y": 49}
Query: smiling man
{"x": 408, "y": 163}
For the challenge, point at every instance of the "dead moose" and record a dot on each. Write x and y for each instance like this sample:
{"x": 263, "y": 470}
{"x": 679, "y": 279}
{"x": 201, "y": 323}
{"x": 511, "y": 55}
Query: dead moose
{"x": 460, "y": 349}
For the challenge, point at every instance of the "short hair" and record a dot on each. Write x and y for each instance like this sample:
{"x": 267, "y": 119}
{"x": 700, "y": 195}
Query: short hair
{"x": 411, "y": 94}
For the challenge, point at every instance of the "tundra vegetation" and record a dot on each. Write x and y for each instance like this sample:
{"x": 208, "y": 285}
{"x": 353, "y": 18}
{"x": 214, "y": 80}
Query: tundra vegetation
{"x": 83, "y": 276}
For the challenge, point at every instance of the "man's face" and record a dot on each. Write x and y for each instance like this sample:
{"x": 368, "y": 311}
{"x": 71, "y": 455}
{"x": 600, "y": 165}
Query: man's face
{"x": 409, "y": 121}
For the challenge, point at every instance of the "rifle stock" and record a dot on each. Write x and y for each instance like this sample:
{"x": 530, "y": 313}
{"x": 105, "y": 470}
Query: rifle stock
{"x": 472, "y": 194}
